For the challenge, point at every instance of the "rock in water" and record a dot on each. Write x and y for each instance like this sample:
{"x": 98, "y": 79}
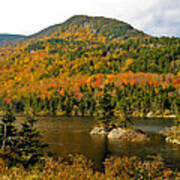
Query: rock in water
{"x": 127, "y": 135}
{"x": 116, "y": 133}
{"x": 171, "y": 140}
{"x": 150, "y": 114}
{"x": 98, "y": 131}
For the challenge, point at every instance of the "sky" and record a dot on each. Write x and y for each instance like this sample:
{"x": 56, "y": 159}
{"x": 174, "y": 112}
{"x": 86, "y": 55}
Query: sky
{"x": 155, "y": 17}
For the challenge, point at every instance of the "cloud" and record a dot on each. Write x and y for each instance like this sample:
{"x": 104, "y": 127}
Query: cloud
{"x": 155, "y": 17}
{"x": 163, "y": 18}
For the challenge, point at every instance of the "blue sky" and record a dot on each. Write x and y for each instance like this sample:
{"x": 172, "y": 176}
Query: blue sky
{"x": 155, "y": 17}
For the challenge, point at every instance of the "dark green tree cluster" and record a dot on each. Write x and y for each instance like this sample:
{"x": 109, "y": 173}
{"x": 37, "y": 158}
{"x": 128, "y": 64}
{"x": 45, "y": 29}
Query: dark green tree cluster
{"x": 20, "y": 146}
{"x": 129, "y": 100}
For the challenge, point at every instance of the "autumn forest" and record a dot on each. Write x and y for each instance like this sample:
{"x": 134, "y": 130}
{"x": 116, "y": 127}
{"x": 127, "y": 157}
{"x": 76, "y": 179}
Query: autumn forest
{"x": 68, "y": 67}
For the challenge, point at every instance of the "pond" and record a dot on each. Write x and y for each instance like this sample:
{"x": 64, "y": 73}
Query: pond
{"x": 69, "y": 135}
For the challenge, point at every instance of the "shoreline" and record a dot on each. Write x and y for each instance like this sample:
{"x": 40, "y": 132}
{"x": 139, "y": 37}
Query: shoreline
{"x": 61, "y": 114}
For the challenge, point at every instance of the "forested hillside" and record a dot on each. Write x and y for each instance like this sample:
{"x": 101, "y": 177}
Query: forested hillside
{"x": 72, "y": 66}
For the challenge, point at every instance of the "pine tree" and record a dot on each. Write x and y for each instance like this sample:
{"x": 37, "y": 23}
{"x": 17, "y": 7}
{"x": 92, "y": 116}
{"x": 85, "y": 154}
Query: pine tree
{"x": 30, "y": 147}
{"x": 8, "y": 131}
{"x": 8, "y": 136}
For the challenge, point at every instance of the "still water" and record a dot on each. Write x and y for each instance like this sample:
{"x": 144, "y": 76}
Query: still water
{"x": 69, "y": 135}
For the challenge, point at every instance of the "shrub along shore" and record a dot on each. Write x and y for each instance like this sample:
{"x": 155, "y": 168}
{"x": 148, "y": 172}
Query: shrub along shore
{"x": 77, "y": 167}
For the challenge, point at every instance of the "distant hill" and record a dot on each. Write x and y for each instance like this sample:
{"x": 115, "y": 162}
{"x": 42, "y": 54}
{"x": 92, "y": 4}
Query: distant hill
{"x": 5, "y": 38}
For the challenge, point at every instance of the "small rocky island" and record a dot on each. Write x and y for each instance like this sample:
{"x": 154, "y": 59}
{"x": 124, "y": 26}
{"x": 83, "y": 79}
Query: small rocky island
{"x": 120, "y": 134}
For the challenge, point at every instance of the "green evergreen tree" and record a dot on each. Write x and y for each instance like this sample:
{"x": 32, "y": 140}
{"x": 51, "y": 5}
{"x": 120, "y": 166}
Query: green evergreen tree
{"x": 8, "y": 131}
{"x": 8, "y": 136}
{"x": 29, "y": 149}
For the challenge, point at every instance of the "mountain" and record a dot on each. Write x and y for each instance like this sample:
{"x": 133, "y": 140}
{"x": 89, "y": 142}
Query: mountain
{"x": 108, "y": 27}
{"x": 107, "y": 38}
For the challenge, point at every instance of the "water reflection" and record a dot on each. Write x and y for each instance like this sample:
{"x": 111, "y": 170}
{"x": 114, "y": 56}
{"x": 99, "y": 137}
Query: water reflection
{"x": 71, "y": 135}
{"x": 156, "y": 146}
{"x": 101, "y": 150}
